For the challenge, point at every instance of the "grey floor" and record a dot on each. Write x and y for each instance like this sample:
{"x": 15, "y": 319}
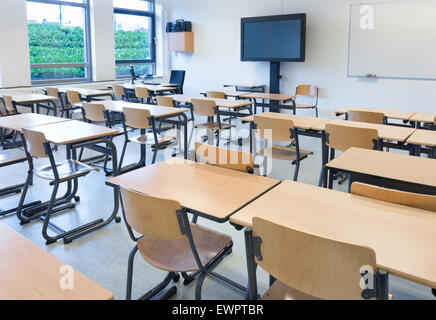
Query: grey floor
{"x": 102, "y": 255}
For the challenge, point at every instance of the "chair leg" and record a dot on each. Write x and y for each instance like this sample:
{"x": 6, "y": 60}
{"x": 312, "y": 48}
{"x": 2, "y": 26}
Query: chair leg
{"x": 321, "y": 177}
{"x": 123, "y": 154}
{"x": 156, "y": 149}
{"x": 23, "y": 198}
{"x": 316, "y": 111}
{"x": 51, "y": 204}
{"x": 130, "y": 272}
{"x": 199, "y": 285}
{"x": 297, "y": 169}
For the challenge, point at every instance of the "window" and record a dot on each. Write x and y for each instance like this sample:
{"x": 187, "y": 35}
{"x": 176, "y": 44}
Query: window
{"x": 58, "y": 40}
{"x": 134, "y": 22}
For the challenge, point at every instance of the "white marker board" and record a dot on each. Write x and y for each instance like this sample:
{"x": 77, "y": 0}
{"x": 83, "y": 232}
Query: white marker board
{"x": 393, "y": 40}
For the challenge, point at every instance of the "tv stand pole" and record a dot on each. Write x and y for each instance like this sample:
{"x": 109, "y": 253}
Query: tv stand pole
{"x": 274, "y": 83}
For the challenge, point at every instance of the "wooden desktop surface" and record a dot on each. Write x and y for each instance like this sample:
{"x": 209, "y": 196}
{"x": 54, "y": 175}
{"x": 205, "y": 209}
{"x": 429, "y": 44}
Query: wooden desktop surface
{"x": 386, "y": 132}
{"x": 29, "y": 97}
{"x": 270, "y": 96}
{"x": 214, "y": 191}
{"x": 27, "y": 120}
{"x": 232, "y": 93}
{"x": 423, "y": 117}
{"x": 423, "y": 138}
{"x": 87, "y": 92}
{"x": 156, "y": 111}
{"x": 28, "y": 272}
{"x": 402, "y": 237}
{"x": 387, "y": 165}
{"x": 222, "y": 103}
{"x": 72, "y": 131}
{"x": 150, "y": 87}
{"x": 300, "y": 122}
{"x": 392, "y": 114}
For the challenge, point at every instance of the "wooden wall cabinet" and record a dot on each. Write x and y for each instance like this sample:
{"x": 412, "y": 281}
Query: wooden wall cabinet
{"x": 181, "y": 41}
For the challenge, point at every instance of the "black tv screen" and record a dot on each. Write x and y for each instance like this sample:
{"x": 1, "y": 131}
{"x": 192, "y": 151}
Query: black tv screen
{"x": 274, "y": 38}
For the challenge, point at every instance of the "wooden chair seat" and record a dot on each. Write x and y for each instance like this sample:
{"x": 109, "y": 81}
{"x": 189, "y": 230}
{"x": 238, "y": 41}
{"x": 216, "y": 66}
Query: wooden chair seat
{"x": 148, "y": 139}
{"x": 215, "y": 126}
{"x": 177, "y": 256}
{"x": 280, "y": 291}
{"x": 66, "y": 169}
{"x": 8, "y": 157}
{"x": 284, "y": 153}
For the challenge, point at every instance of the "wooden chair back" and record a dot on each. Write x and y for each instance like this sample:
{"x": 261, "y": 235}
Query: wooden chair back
{"x": 94, "y": 112}
{"x": 137, "y": 118}
{"x": 273, "y": 129}
{"x": 165, "y": 101}
{"x": 345, "y": 137}
{"x": 366, "y": 116}
{"x": 307, "y": 90}
{"x": 9, "y": 105}
{"x": 319, "y": 267}
{"x": 409, "y": 199}
{"x": 35, "y": 143}
{"x": 73, "y": 97}
{"x": 150, "y": 216}
{"x": 216, "y": 95}
{"x": 230, "y": 159}
{"x": 202, "y": 107}
{"x": 142, "y": 92}
{"x": 52, "y": 92}
{"x": 118, "y": 90}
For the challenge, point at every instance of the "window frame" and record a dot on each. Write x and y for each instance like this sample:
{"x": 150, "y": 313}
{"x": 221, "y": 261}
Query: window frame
{"x": 87, "y": 64}
{"x": 151, "y": 14}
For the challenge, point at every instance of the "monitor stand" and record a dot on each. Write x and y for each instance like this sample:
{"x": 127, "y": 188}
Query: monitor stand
{"x": 274, "y": 83}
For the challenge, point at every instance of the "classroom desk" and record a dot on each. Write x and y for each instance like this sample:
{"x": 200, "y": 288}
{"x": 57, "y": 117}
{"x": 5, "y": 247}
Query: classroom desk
{"x": 421, "y": 117}
{"x": 209, "y": 191}
{"x": 87, "y": 93}
{"x": 426, "y": 138}
{"x": 154, "y": 88}
{"x": 231, "y": 93}
{"x": 390, "y": 170}
{"x": 29, "y": 100}
{"x": 158, "y": 113}
{"x": 402, "y": 237}
{"x": 28, "y": 272}
{"x": 390, "y": 114}
{"x": 304, "y": 124}
{"x": 75, "y": 135}
{"x": 27, "y": 120}
{"x": 276, "y": 101}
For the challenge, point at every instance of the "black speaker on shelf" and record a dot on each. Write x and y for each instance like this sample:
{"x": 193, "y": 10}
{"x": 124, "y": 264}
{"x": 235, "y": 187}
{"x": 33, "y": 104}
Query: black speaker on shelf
{"x": 179, "y": 25}
{"x": 169, "y": 26}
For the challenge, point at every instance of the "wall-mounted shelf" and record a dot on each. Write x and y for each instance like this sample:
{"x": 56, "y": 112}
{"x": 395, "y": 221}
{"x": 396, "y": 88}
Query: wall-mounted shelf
{"x": 181, "y": 41}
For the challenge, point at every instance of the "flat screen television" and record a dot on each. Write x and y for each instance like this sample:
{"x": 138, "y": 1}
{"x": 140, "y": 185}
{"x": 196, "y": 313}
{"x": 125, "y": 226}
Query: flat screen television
{"x": 274, "y": 38}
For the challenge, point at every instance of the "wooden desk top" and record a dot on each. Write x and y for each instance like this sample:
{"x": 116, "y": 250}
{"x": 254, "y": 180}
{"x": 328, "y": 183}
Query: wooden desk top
{"x": 28, "y": 272}
{"x": 86, "y": 92}
{"x": 392, "y": 114}
{"x": 156, "y": 111}
{"x": 402, "y": 237}
{"x": 395, "y": 166}
{"x": 29, "y": 97}
{"x": 244, "y": 85}
{"x": 72, "y": 131}
{"x": 232, "y": 93}
{"x": 423, "y": 117}
{"x": 423, "y": 138}
{"x": 211, "y": 190}
{"x": 222, "y": 103}
{"x": 270, "y": 96}
{"x": 27, "y": 120}
{"x": 300, "y": 122}
{"x": 150, "y": 87}
{"x": 386, "y": 132}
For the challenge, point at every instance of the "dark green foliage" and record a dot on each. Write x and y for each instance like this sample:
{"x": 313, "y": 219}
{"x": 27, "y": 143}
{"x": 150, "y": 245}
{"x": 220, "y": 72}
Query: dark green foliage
{"x": 56, "y": 44}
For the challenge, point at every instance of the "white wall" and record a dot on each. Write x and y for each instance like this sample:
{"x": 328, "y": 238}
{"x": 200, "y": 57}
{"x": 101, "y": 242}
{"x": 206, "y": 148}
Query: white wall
{"x": 216, "y": 59}
{"x": 14, "y": 44}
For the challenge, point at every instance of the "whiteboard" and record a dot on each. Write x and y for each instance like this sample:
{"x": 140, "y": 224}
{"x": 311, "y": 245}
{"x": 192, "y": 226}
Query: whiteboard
{"x": 394, "y": 39}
